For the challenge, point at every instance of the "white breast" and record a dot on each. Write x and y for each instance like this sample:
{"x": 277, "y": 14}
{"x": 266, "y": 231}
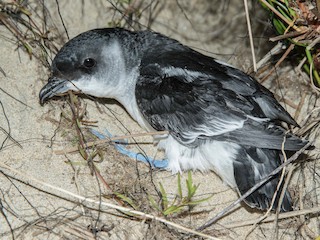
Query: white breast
{"x": 211, "y": 155}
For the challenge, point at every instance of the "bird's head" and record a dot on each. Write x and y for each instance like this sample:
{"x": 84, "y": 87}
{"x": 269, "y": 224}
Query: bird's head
{"x": 92, "y": 63}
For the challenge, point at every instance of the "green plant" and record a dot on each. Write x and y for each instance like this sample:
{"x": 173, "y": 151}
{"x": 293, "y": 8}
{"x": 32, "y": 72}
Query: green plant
{"x": 297, "y": 24}
{"x": 180, "y": 202}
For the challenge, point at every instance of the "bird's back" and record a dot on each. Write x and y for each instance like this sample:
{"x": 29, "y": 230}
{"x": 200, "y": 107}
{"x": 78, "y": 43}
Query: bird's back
{"x": 209, "y": 107}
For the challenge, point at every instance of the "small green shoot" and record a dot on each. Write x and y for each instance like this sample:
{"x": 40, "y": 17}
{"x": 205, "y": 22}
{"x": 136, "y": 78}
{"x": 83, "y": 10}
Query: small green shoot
{"x": 180, "y": 203}
{"x": 126, "y": 200}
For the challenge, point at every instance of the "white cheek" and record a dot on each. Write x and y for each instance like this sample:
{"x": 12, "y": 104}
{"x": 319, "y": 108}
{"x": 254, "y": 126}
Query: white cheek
{"x": 90, "y": 85}
{"x": 71, "y": 86}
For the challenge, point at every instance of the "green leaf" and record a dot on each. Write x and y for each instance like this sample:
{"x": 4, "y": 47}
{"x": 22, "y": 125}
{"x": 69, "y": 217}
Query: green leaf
{"x": 280, "y": 27}
{"x": 164, "y": 197}
{"x": 196, "y": 202}
{"x": 153, "y": 203}
{"x": 126, "y": 199}
{"x": 316, "y": 76}
{"x": 173, "y": 209}
{"x": 82, "y": 152}
{"x": 191, "y": 188}
{"x": 179, "y": 186}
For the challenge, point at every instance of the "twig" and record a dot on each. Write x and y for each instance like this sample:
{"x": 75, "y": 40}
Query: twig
{"x": 254, "y": 188}
{"x": 307, "y": 127}
{"x": 74, "y": 105}
{"x": 286, "y": 101}
{"x": 290, "y": 48}
{"x": 99, "y": 142}
{"x": 277, "y": 49}
{"x": 313, "y": 43}
{"x": 250, "y": 35}
{"x": 62, "y": 21}
{"x": 16, "y": 99}
{"x": 3, "y": 72}
{"x": 311, "y": 79}
{"x": 285, "y": 215}
{"x": 283, "y": 190}
{"x": 83, "y": 199}
{"x": 288, "y": 35}
{"x": 300, "y": 105}
{"x": 8, "y": 136}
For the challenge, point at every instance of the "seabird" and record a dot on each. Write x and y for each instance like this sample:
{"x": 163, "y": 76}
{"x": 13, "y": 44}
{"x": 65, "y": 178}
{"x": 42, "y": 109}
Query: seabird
{"x": 218, "y": 117}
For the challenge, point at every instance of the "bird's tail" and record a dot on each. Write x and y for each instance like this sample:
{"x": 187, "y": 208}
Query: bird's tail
{"x": 250, "y": 167}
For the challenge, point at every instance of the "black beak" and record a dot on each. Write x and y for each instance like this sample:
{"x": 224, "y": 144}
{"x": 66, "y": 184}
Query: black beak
{"x": 54, "y": 87}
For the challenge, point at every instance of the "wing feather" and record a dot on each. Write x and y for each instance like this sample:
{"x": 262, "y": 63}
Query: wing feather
{"x": 197, "y": 98}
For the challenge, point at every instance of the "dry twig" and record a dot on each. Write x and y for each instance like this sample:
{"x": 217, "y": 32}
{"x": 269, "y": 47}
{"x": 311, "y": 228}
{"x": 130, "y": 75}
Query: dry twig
{"x": 103, "y": 141}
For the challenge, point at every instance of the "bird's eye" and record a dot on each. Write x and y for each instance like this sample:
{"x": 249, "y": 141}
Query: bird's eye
{"x": 89, "y": 63}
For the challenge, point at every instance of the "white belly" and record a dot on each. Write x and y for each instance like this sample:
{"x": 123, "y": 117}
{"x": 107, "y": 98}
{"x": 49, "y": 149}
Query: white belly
{"x": 211, "y": 155}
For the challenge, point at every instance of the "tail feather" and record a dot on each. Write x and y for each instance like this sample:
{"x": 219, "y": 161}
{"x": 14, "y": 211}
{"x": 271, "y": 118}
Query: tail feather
{"x": 250, "y": 167}
{"x": 260, "y": 135}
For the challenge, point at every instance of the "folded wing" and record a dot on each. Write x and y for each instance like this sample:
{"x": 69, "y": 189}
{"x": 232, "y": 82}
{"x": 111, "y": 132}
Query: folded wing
{"x": 197, "y": 98}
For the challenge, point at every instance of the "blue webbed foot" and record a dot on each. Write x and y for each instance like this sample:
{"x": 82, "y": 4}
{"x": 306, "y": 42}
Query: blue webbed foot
{"x": 120, "y": 146}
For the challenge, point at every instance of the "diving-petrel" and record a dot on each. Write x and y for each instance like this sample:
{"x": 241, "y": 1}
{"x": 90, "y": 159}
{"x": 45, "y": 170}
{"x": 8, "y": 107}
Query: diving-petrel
{"x": 218, "y": 117}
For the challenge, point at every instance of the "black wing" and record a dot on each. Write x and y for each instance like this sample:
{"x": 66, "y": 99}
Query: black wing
{"x": 197, "y": 98}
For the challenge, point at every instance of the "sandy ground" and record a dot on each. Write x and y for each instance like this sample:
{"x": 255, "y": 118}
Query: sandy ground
{"x": 36, "y": 190}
